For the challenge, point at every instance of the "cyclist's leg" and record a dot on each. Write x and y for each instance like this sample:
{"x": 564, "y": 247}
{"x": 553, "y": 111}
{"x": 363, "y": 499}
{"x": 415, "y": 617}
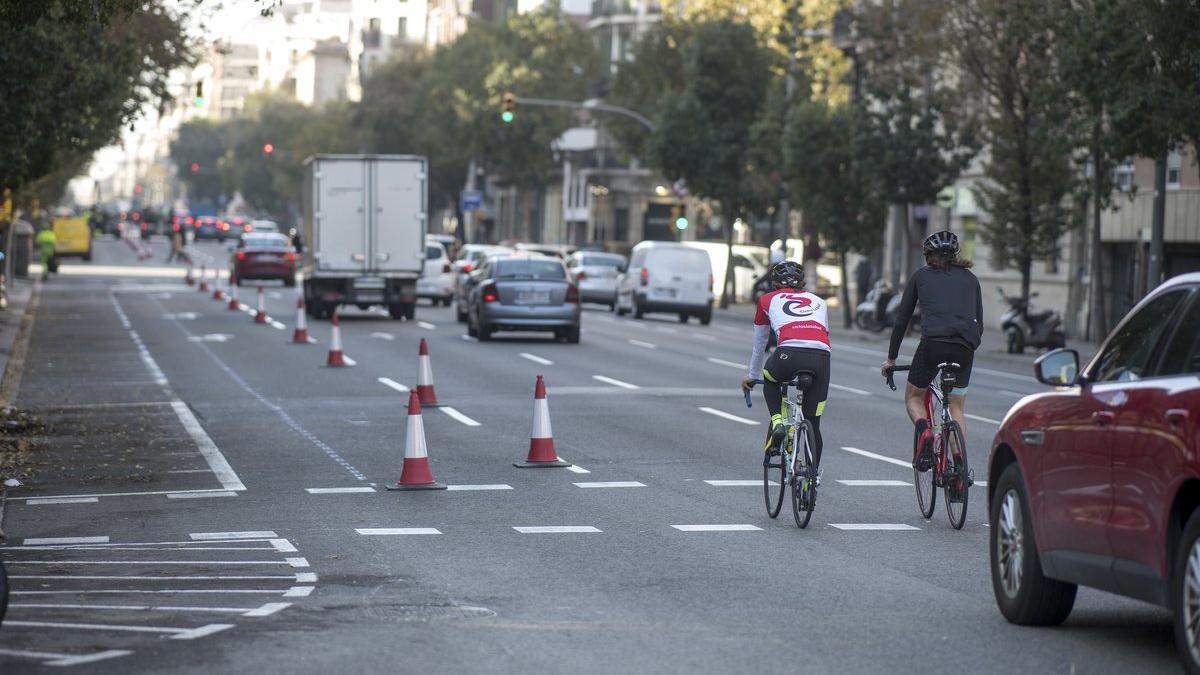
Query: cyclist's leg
{"x": 776, "y": 370}
{"x": 924, "y": 369}
{"x": 957, "y": 400}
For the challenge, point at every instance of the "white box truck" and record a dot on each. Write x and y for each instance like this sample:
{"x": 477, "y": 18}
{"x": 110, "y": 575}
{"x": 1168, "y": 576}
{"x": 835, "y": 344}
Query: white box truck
{"x": 364, "y": 232}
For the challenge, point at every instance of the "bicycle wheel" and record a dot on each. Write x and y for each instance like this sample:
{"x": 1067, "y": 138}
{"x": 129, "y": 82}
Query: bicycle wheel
{"x": 804, "y": 491}
{"x": 774, "y": 469}
{"x": 926, "y": 491}
{"x": 956, "y": 482}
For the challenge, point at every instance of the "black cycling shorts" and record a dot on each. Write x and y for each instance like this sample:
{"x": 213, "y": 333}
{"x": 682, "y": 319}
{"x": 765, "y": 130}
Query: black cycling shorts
{"x": 930, "y": 353}
{"x": 785, "y": 362}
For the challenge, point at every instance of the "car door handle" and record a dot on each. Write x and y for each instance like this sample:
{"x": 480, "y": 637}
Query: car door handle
{"x": 1177, "y": 416}
{"x": 1103, "y": 417}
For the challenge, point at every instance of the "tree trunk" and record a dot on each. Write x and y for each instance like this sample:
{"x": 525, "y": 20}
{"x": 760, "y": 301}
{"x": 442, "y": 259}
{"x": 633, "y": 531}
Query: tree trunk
{"x": 1026, "y": 267}
{"x": 1154, "y": 264}
{"x": 847, "y": 315}
{"x": 1097, "y": 321}
{"x": 727, "y": 283}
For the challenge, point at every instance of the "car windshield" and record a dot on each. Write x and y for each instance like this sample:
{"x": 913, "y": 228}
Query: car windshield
{"x": 542, "y": 270}
{"x": 602, "y": 261}
{"x": 265, "y": 241}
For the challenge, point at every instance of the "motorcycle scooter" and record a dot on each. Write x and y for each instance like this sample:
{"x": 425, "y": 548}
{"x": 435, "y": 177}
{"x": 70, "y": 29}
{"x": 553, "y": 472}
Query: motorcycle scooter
{"x": 1023, "y": 328}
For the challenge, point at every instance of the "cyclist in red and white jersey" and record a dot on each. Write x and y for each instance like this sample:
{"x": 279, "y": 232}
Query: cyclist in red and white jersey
{"x": 801, "y": 323}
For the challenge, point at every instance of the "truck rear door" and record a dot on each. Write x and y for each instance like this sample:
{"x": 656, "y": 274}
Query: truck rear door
{"x": 399, "y": 216}
{"x": 339, "y": 214}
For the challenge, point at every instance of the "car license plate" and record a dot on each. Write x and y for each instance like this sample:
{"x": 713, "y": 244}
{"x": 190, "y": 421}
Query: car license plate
{"x": 533, "y": 297}
{"x": 666, "y": 292}
{"x": 368, "y": 296}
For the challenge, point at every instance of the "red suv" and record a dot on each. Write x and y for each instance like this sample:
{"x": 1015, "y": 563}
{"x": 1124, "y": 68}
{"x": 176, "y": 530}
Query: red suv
{"x": 1097, "y": 483}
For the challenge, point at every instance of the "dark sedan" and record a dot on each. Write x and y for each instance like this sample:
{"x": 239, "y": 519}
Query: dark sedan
{"x": 210, "y": 227}
{"x": 522, "y": 293}
{"x": 264, "y": 256}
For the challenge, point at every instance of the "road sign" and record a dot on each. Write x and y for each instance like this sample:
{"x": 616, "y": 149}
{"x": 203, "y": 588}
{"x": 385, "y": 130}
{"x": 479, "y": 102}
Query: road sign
{"x": 470, "y": 200}
{"x": 946, "y": 197}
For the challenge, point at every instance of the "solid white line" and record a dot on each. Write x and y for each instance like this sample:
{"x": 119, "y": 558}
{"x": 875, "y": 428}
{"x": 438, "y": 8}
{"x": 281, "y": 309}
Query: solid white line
{"x": 150, "y": 578}
{"x": 536, "y": 359}
{"x": 894, "y": 527}
{"x": 337, "y": 490}
{"x": 97, "y": 626}
{"x": 468, "y": 338}
{"x": 298, "y": 592}
{"x": 875, "y": 483}
{"x": 268, "y": 609}
{"x": 93, "y": 497}
{"x": 216, "y": 461}
{"x": 614, "y": 382}
{"x": 35, "y": 541}
{"x": 454, "y": 414}
{"x": 252, "y": 534}
{"x": 60, "y": 500}
{"x": 723, "y": 362}
{"x": 384, "y": 531}
{"x": 140, "y": 608}
{"x": 645, "y": 345}
{"x": 737, "y": 483}
{"x": 468, "y": 488}
{"x": 977, "y": 418}
{"x": 852, "y": 390}
{"x": 199, "y": 495}
{"x": 66, "y": 659}
{"x": 611, "y": 484}
{"x": 135, "y": 563}
{"x": 125, "y": 591}
{"x": 389, "y": 382}
{"x": 556, "y": 529}
{"x": 426, "y": 325}
{"x": 728, "y": 416}
{"x": 743, "y": 527}
{"x": 882, "y": 458}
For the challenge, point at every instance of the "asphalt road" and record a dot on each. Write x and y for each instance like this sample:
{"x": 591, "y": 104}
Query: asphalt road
{"x": 207, "y": 487}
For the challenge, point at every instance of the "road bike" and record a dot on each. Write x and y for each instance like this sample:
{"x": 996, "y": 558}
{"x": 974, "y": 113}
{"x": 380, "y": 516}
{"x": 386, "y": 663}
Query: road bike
{"x": 793, "y": 468}
{"x": 950, "y": 470}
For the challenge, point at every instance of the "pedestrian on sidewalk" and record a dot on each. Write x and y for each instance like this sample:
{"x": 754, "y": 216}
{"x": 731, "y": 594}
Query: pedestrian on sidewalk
{"x": 46, "y": 241}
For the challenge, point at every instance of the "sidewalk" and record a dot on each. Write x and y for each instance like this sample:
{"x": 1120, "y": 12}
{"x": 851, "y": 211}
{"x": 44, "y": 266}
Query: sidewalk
{"x": 16, "y": 324}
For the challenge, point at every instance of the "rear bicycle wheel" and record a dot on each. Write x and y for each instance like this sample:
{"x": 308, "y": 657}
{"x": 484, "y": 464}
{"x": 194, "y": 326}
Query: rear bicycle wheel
{"x": 804, "y": 490}
{"x": 926, "y": 490}
{"x": 775, "y": 470}
{"x": 956, "y": 482}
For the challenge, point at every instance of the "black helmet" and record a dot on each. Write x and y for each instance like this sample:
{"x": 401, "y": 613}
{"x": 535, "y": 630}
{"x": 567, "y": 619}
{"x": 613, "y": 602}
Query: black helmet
{"x": 944, "y": 243}
{"x": 787, "y": 274}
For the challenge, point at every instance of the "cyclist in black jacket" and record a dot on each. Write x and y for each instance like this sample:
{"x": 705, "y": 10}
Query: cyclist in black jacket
{"x": 951, "y": 327}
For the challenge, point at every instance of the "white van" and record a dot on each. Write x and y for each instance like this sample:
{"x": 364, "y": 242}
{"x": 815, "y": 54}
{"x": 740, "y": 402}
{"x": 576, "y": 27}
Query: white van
{"x": 666, "y": 276}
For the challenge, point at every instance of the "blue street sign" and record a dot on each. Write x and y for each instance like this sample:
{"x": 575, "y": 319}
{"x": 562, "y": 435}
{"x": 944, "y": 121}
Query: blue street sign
{"x": 470, "y": 200}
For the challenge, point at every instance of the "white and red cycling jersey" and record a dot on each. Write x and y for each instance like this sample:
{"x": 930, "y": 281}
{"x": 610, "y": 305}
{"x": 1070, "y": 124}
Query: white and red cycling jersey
{"x": 799, "y": 319}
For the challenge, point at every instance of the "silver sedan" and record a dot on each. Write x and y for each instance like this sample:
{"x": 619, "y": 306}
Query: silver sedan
{"x": 523, "y": 293}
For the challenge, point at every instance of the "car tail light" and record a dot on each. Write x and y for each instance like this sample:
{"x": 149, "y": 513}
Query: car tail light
{"x": 645, "y": 277}
{"x": 175, "y": 227}
{"x": 467, "y": 267}
{"x": 137, "y": 216}
{"x": 189, "y": 220}
{"x": 446, "y": 268}
{"x": 224, "y": 227}
{"x": 710, "y": 282}
{"x": 291, "y": 256}
{"x": 247, "y": 227}
{"x": 241, "y": 255}
{"x": 572, "y": 294}
{"x": 490, "y": 294}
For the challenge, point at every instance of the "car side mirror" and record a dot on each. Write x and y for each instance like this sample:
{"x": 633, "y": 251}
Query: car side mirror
{"x": 1057, "y": 368}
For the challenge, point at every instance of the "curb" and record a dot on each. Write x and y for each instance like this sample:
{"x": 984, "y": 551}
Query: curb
{"x": 14, "y": 369}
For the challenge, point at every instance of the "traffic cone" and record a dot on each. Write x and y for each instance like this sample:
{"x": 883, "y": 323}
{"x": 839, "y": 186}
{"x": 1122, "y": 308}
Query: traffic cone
{"x": 188, "y": 278}
{"x": 300, "y": 335}
{"x": 261, "y": 315}
{"x": 337, "y": 360}
{"x": 203, "y": 281}
{"x": 541, "y": 441}
{"x": 216, "y": 285}
{"x": 234, "y": 305}
{"x": 425, "y": 377}
{"x": 415, "y": 474}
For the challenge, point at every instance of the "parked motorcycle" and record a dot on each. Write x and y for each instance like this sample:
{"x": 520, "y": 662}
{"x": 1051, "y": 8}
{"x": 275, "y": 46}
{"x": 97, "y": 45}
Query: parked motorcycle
{"x": 877, "y": 312}
{"x": 1023, "y": 328}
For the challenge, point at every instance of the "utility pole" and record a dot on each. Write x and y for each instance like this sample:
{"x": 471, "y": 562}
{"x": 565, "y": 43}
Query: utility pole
{"x": 785, "y": 204}
{"x": 1154, "y": 265}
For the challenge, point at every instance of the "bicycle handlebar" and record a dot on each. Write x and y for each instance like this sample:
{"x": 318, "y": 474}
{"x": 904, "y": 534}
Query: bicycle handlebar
{"x": 890, "y": 381}
{"x": 746, "y": 393}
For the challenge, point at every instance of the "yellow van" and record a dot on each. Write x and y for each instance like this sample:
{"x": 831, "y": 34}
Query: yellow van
{"x": 73, "y": 237}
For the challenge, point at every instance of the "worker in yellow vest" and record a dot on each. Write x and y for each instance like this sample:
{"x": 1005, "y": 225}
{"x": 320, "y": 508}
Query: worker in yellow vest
{"x": 46, "y": 241}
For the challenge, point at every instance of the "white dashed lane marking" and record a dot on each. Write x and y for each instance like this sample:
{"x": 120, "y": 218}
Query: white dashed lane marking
{"x": 200, "y": 495}
{"x": 536, "y": 359}
{"x": 557, "y": 529}
{"x": 977, "y": 418}
{"x": 737, "y": 483}
{"x": 470, "y": 488}
{"x": 611, "y": 484}
{"x": 882, "y": 458}
{"x": 892, "y": 527}
{"x": 724, "y": 415}
{"x": 875, "y": 483}
{"x": 338, "y": 490}
{"x": 851, "y": 390}
{"x": 723, "y": 362}
{"x": 389, "y": 382}
{"x": 250, "y": 534}
{"x": 741, "y": 527}
{"x": 390, "y": 531}
{"x": 41, "y": 541}
{"x": 62, "y": 500}
{"x": 453, "y": 413}
{"x": 426, "y": 325}
{"x": 643, "y": 345}
{"x": 614, "y": 382}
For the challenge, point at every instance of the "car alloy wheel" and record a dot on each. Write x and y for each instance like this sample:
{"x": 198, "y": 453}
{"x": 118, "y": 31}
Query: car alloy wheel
{"x": 1191, "y": 601}
{"x": 1010, "y": 543}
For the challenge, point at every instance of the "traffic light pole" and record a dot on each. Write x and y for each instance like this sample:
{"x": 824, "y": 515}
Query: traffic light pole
{"x": 590, "y": 104}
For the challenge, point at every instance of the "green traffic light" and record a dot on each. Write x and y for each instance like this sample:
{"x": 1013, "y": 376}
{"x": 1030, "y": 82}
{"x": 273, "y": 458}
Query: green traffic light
{"x": 507, "y": 116}
{"x": 681, "y": 223}
{"x": 199, "y": 101}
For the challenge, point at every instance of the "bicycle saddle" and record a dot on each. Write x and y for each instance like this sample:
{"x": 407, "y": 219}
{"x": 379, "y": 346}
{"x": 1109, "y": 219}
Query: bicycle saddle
{"x": 803, "y": 379}
{"x": 949, "y": 375}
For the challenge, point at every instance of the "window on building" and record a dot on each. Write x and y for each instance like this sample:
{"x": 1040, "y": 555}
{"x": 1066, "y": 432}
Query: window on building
{"x": 621, "y": 226}
{"x": 1174, "y": 160}
{"x": 1123, "y": 176}
{"x": 402, "y": 27}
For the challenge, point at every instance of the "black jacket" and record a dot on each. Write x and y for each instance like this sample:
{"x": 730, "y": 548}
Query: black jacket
{"x": 951, "y": 308}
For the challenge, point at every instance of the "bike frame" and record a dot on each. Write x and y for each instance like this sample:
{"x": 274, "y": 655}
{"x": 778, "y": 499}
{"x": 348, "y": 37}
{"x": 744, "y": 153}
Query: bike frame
{"x": 794, "y": 402}
{"x": 935, "y": 405}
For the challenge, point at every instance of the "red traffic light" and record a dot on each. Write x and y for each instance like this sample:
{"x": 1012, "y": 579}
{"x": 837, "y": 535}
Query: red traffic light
{"x": 268, "y": 148}
{"x": 195, "y": 167}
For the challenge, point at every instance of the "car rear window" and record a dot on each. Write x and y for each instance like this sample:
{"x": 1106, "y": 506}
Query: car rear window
{"x": 680, "y": 261}
{"x": 602, "y": 261}
{"x": 433, "y": 252}
{"x": 265, "y": 241}
{"x": 548, "y": 270}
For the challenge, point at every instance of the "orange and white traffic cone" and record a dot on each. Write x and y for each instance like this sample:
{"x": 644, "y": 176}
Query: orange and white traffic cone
{"x": 234, "y": 305}
{"x": 261, "y": 315}
{"x": 336, "y": 359}
{"x": 425, "y": 377}
{"x": 541, "y": 441}
{"x": 203, "y": 281}
{"x": 300, "y": 334}
{"x": 415, "y": 474}
{"x": 188, "y": 278}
